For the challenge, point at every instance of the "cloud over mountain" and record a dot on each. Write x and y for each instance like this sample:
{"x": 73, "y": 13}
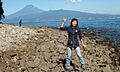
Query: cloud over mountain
{"x": 75, "y": 1}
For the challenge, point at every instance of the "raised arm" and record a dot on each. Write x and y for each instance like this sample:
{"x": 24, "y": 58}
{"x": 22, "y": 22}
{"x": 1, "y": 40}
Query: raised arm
{"x": 62, "y": 25}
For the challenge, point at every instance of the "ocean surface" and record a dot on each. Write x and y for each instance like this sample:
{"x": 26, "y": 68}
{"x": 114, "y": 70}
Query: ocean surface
{"x": 111, "y": 25}
{"x": 108, "y": 23}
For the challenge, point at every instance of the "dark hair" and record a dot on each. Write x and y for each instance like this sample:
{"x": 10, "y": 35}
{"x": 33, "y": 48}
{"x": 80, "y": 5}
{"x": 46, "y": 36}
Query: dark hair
{"x": 74, "y": 19}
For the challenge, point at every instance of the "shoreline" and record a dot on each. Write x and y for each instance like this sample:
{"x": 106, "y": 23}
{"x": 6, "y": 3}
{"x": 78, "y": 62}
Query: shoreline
{"x": 44, "y": 49}
{"x": 101, "y": 34}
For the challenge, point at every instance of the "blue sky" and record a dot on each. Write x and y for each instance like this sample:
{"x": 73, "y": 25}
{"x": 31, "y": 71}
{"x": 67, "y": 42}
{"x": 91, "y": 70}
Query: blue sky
{"x": 92, "y": 6}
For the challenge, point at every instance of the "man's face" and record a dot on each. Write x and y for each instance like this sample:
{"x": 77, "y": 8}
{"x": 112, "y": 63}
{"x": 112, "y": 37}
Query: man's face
{"x": 74, "y": 23}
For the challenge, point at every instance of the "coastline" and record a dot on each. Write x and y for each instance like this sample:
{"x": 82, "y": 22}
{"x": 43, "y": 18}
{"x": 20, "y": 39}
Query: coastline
{"x": 43, "y": 48}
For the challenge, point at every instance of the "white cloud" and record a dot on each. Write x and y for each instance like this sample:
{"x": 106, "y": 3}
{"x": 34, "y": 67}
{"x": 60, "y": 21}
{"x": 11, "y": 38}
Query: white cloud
{"x": 75, "y": 1}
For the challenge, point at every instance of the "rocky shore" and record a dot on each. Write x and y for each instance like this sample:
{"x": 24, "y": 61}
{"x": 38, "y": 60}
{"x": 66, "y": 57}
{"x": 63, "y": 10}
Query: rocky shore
{"x": 43, "y": 49}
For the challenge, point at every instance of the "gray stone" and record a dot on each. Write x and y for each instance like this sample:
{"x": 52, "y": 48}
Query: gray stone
{"x": 112, "y": 50}
{"x": 31, "y": 64}
{"x": 40, "y": 30}
{"x": 37, "y": 61}
{"x": 107, "y": 69}
{"x": 22, "y": 63}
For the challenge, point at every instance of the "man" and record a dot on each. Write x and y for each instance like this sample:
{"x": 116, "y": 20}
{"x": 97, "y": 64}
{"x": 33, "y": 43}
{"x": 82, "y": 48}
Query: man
{"x": 73, "y": 42}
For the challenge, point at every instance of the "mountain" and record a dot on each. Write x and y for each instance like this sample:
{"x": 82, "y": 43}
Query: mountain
{"x": 32, "y": 13}
{"x": 52, "y": 14}
{"x": 28, "y": 10}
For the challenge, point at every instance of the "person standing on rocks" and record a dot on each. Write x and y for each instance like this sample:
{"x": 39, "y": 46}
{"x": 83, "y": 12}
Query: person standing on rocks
{"x": 73, "y": 42}
{"x": 20, "y": 23}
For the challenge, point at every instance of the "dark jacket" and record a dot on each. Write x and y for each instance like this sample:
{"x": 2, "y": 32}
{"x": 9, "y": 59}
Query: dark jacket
{"x": 73, "y": 34}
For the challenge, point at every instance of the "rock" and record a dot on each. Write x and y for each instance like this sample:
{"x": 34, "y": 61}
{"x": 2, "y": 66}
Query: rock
{"x": 13, "y": 31}
{"x": 61, "y": 49}
{"x": 40, "y": 30}
{"x": 44, "y": 68}
{"x": 43, "y": 49}
{"x": 23, "y": 69}
{"x": 118, "y": 68}
{"x": 107, "y": 69}
{"x": 31, "y": 64}
{"x": 54, "y": 59}
{"x": 103, "y": 59}
{"x": 27, "y": 33}
{"x": 51, "y": 65}
{"x": 26, "y": 37}
{"x": 11, "y": 35}
{"x": 36, "y": 61}
{"x": 61, "y": 46}
{"x": 36, "y": 38}
{"x": 15, "y": 59}
{"x": 1, "y": 53}
{"x": 61, "y": 39}
{"x": 112, "y": 50}
{"x": 22, "y": 63}
{"x": 109, "y": 61}
{"x": 47, "y": 56}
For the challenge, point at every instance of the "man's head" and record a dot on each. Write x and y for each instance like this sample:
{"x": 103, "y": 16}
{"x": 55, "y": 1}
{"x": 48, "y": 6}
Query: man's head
{"x": 74, "y": 22}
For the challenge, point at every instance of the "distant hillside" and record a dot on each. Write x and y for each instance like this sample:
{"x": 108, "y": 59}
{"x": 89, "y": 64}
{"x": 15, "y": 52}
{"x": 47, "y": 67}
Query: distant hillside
{"x": 28, "y": 10}
{"x": 32, "y": 13}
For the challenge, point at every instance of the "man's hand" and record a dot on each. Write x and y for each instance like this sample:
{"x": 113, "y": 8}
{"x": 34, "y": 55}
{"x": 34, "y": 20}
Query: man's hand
{"x": 63, "y": 22}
